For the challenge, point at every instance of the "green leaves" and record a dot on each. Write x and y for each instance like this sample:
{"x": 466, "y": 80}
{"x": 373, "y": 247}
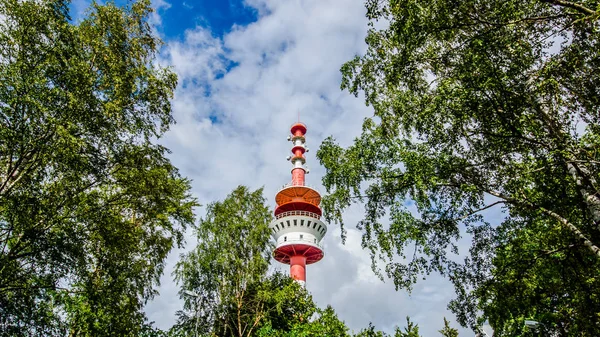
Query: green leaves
{"x": 323, "y": 323}
{"x": 411, "y": 330}
{"x": 227, "y": 269}
{"x": 447, "y": 331}
{"x": 89, "y": 205}
{"x": 477, "y": 104}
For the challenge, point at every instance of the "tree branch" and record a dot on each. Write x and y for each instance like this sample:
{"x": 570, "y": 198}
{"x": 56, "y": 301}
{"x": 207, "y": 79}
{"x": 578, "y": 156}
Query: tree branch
{"x": 479, "y": 210}
{"x": 30, "y": 158}
{"x": 574, "y": 229}
{"x": 572, "y": 5}
{"x": 586, "y": 242}
{"x": 528, "y": 19}
{"x": 13, "y": 288}
{"x": 591, "y": 199}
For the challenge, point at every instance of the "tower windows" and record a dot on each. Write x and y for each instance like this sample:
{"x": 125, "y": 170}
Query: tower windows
{"x": 302, "y": 222}
{"x": 284, "y": 238}
{"x": 288, "y": 222}
{"x": 295, "y": 222}
{"x": 301, "y": 236}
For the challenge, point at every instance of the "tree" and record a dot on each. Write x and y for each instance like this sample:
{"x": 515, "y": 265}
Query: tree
{"x": 89, "y": 204}
{"x": 227, "y": 274}
{"x": 411, "y": 330}
{"x": 481, "y": 105}
{"x": 149, "y": 330}
{"x": 448, "y": 331}
{"x": 323, "y": 323}
{"x": 370, "y": 332}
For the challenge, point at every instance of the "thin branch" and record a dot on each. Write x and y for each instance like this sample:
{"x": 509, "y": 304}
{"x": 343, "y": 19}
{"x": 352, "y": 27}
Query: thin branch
{"x": 11, "y": 171}
{"x": 12, "y": 288}
{"x": 22, "y": 173}
{"x": 584, "y": 161}
{"x": 544, "y": 253}
{"x": 548, "y": 252}
{"x": 574, "y": 229}
{"x": 31, "y": 158}
{"x": 591, "y": 199}
{"x": 480, "y": 210}
{"x": 586, "y": 242}
{"x": 572, "y": 5}
{"x": 529, "y": 19}
{"x": 17, "y": 248}
{"x": 259, "y": 316}
{"x": 413, "y": 260}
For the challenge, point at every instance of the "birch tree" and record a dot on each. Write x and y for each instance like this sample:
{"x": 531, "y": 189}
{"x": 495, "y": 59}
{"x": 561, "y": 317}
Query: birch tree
{"x": 224, "y": 281}
{"x": 90, "y": 206}
{"x": 480, "y": 106}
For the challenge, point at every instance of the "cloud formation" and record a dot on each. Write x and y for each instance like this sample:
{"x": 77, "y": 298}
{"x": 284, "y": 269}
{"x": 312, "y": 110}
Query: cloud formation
{"x": 237, "y": 96}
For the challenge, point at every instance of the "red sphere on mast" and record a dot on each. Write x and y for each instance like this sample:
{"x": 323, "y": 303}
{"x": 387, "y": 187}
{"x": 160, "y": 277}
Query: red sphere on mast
{"x": 297, "y": 228}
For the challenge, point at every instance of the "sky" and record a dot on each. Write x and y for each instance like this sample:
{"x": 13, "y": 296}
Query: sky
{"x": 246, "y": 69}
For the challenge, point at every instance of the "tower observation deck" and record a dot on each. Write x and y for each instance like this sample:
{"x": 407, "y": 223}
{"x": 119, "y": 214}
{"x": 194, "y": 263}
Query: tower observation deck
{"x": 297, "y": 228}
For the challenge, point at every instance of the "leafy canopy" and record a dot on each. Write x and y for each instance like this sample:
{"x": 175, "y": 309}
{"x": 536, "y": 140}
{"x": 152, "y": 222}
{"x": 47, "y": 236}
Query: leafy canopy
{"x": 481, "y": 105}
{"x": 89, "y": 204}
{"x": 411, "y": 330}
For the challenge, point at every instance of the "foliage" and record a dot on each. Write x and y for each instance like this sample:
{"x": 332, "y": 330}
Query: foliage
{"x": 325, "y": 323}
{"x": 89, "y": 204}
{"x": 370, "y": 332}
{"x": 149, "y": 330}
{"x": 224, "y": 282}
{"x": 411, "y": 330}
{"x": 481, "y": 104}
{"x": 448, "y": 331}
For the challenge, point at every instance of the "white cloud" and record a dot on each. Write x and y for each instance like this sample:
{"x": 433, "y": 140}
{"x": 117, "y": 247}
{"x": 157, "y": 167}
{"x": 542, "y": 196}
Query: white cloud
{"x": 286, "y": 62}
{"x": 159, "y": 6}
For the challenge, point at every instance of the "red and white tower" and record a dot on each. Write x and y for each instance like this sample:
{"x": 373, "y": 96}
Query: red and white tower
{"x": 297, "y": 228}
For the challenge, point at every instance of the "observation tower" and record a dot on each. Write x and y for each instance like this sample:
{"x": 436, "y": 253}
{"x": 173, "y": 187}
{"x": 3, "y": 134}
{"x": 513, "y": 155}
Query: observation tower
{"x": 297, "y": 228}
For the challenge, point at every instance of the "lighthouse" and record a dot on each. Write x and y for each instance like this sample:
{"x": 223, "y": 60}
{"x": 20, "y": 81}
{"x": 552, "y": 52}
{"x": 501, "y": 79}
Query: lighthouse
{"x": 297, "y": 228}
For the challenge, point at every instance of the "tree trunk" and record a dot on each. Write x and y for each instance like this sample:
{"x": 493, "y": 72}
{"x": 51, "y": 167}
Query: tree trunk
{"x": 592, "y": 201}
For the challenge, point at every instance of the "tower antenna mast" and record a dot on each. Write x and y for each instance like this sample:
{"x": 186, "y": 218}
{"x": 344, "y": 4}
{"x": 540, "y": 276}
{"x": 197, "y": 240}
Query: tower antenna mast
{"x": 297, "y": 228}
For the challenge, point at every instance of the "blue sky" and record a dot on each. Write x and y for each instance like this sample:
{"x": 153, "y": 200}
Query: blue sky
{"x": 220, "y": 16}
{"x": 246, "y": 68}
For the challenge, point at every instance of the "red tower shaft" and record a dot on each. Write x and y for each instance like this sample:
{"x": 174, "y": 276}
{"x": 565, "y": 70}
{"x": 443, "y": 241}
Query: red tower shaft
{"x": 298, "y": 267}
{"x": 298, "y": 177}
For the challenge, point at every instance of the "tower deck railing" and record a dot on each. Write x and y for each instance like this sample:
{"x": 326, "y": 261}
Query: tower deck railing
{"x": 303, "y": 213}
{"x": 288, "y": 185}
